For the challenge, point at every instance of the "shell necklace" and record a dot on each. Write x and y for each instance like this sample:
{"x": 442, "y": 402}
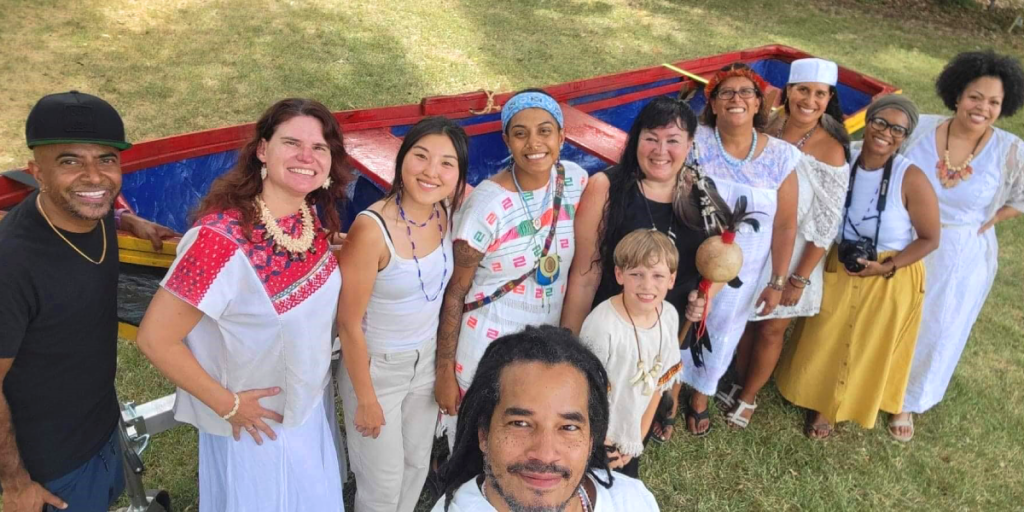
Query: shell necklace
{"x": 950, "y": 175}
{"x": 648, "y": 378}
{"x": 296, "y": 247}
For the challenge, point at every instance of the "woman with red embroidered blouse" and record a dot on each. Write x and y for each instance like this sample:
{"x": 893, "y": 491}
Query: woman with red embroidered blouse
{"x": 242, "y": 321}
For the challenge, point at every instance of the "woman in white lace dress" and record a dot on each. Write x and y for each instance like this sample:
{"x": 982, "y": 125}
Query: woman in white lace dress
{"x": 745, "y": 162}
{"x": 978, "y": 173}
{"x": 813, "y": 123}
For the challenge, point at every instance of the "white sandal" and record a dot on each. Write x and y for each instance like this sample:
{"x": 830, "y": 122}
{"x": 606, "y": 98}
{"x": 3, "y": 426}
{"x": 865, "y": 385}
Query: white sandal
{"x": 902, "y": 423}
{"x": 726, "y": 401}
{"x": 736, "y": 417}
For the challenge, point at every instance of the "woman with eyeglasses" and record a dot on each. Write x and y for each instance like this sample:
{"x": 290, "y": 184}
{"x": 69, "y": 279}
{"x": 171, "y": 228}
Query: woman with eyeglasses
{"x": 977, "y": 170}
{"x": 853, "y": 359}
{"x": 744, "y": 162}
{"x": 811, "y": 120}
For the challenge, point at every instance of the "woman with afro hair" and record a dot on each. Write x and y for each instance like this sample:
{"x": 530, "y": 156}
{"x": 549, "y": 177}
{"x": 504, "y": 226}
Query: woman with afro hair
{"x": 978, "y": 174}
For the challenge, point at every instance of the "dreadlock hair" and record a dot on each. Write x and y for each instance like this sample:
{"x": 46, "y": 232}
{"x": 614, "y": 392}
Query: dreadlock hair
{"x": 434, "y": 125}
{"x": 831, "y": 121}
{"x": 548, "y": 345}
{"x": 624, "y": 178}
{"x": 708, "y": 117}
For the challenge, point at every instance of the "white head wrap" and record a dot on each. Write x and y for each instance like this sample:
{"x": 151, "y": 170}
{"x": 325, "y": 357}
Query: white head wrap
{"x": 813, "y": 70}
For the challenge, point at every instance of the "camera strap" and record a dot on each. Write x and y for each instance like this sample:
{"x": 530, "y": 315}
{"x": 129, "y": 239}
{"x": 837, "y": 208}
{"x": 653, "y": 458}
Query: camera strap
{"x": 883, "y": 195}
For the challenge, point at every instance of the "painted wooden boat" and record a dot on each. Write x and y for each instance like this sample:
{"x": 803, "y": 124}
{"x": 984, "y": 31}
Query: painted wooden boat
{"x": 165, "y": 178}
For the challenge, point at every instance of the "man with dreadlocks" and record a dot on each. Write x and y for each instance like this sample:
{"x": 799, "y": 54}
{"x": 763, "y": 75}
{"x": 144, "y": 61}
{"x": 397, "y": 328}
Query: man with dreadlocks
{"x": 531, "y": 430}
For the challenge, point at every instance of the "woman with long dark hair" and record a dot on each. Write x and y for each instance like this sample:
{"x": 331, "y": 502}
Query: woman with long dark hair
{"x": 809, "y": 121}
{"x": 649, "y": 178}
{"x": 242, "y": 322}
{"x": 397, "y": 260}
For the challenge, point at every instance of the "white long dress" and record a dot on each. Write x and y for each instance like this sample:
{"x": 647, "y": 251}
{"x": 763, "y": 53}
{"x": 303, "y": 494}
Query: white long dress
{"x": 822, "y": 192}
{"x": 961, "y": 271}
{"x": 266, "y": 323}
{"x": 759, "y": 180}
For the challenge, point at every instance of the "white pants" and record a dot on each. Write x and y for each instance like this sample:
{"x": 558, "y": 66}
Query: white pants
{"x": 296, "y": 472}
{"x": 390, "y": 470}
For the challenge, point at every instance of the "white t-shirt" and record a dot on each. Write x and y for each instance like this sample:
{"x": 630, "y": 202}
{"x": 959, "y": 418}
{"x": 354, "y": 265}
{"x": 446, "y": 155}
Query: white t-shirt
{"x": 626, "y": 495}
{"x": 612, "y": 339}
{"x": 496, "y": 222}
{"x": 266, "y": 320}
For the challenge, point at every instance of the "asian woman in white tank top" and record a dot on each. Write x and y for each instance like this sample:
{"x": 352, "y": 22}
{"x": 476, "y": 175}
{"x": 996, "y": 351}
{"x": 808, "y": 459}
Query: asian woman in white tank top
{"x": 396, "y": 262}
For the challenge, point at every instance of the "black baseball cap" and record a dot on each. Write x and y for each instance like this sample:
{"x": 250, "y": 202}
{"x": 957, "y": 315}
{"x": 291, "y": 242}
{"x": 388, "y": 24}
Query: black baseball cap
{"x": 74, "y": 118}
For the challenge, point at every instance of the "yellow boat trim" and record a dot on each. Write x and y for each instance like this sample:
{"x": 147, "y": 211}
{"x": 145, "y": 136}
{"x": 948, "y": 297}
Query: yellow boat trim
{"x": 687, "y": 74}
{"x": 140, "y": 252}
{"x": 127, "y": 331}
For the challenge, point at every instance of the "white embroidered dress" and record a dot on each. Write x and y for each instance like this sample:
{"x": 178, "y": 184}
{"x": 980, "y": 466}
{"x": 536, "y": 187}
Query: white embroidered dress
{"x": 759, "y": 181}
{"x": 961, "y": 271}
{"x": 819, "y": 213}
{"x": 266, "y": 322}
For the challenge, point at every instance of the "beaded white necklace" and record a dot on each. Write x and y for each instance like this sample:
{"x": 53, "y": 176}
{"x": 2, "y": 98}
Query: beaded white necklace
{"x": 297, "y": 247}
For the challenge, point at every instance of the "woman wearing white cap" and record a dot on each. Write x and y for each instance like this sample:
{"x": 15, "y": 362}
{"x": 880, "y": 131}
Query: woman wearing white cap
{"x": 813, "y": 123}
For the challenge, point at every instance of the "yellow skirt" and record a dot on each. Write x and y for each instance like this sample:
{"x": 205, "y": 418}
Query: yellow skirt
{"x": 854, "y": 357}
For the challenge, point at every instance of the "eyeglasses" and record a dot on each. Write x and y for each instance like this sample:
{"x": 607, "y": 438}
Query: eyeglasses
{"x": 882, "y": 125}
{"x": 728, "y": 94}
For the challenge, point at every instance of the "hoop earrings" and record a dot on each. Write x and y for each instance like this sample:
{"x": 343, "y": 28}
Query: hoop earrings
{"x": 327, "y": 184}
{"x": 263, "y": 172}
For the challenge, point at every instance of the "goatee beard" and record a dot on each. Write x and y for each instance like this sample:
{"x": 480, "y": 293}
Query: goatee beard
{"x": 513, "y": 504}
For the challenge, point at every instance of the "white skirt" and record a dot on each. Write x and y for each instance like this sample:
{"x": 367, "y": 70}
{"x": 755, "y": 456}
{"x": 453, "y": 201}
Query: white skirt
{"x": 296, "y": 472}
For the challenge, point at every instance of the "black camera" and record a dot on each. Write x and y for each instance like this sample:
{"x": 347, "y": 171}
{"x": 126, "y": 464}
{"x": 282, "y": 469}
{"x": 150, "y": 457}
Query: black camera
{"x": 852, "y": 250}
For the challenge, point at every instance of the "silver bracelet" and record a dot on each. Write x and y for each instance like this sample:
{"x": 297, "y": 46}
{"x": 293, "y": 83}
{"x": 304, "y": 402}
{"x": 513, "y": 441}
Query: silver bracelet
{"x": 234, "y": 410}
{"x": 800, "y": 279}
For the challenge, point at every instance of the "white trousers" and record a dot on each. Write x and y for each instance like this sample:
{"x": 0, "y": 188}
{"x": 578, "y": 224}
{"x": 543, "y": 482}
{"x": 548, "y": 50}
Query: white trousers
{"x": 390, "y": 470}
{"x": 297, "y": 472}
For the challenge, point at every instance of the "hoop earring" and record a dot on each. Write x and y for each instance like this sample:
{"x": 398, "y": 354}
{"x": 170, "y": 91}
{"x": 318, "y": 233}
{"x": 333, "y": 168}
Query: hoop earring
{"x": 327, "y": 184}
{"x": 263, "y": 172}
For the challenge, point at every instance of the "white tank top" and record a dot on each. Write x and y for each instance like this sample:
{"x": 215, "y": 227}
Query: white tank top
{"x": 896, "y": 231}
{"x": 399, "y": 317}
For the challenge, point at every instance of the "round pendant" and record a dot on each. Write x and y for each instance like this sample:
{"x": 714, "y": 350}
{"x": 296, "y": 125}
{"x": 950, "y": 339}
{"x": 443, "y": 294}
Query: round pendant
{"x": 547, "y": 271}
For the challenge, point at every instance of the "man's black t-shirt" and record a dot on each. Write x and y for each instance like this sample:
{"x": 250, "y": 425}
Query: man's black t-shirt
{"x": 58, "y": 320}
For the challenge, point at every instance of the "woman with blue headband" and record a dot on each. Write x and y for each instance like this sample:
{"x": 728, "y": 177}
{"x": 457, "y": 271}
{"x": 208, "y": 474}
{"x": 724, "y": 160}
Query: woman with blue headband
{"x": 513, "y": 242}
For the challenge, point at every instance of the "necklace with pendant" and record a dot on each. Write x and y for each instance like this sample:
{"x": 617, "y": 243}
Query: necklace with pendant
{"x": 649, "y": 378}
{"x": 950, "y": 175}
{"x": 803, "y": 140}
{"x": 548, "y": 266}
{"x": 647, "y": 203}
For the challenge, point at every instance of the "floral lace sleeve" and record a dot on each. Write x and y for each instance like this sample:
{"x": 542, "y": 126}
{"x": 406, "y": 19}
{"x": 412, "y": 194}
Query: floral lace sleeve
{"x": 1015, "y": 176}
{"x": 829, "y": 186}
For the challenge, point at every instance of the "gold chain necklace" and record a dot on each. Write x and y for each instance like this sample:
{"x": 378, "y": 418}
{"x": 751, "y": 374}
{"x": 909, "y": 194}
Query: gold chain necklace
{"x": 103, "y": 227}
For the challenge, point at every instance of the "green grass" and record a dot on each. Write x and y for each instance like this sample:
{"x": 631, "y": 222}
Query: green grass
{"x": 173, "y": 66}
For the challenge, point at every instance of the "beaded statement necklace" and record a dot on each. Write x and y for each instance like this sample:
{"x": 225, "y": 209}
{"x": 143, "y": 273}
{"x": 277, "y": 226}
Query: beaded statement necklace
{"x": 408, "y": 231}
{"x": 950, "y": 175}
{"x": 803, "y": 140}
{"x": 648, "y": 378}
{"x": 295, "y": 247}
{"x": 734, "y": 162}
{"x": 581, "y": 493}
{"x": 103, "y": 228}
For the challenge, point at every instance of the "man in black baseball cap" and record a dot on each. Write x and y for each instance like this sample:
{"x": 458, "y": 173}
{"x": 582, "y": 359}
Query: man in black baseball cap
{"x": 58, "y": 308}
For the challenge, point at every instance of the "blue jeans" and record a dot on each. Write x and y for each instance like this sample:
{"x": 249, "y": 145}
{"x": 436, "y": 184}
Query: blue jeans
{"x": 95, "y": 485}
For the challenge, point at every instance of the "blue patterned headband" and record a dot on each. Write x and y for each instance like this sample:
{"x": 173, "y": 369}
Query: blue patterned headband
{"x": 526, "y": 100}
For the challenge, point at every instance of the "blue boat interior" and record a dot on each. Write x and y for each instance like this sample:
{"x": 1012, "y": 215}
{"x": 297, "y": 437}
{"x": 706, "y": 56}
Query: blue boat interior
{"x": 168, "y": 193}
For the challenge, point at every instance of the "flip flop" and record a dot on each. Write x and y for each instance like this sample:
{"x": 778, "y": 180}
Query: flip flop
{"x": 697, "y": 417}
{"x": 665, "y": 423}
{"x": 811, "y": 428}
{"x": 902, "y": 423}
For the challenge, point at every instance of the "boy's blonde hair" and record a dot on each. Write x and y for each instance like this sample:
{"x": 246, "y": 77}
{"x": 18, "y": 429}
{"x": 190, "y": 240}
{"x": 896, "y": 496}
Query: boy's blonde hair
{"x": 646, "y": 247}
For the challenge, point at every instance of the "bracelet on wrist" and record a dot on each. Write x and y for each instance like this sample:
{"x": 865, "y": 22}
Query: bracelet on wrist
{"x": 797, "y": 282}
{"x": 889, "y": 274}
{"x": 234, "y": 410}
{"x": 777, "y": 282}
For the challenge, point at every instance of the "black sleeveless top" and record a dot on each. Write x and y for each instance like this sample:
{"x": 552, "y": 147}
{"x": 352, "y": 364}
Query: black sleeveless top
{"x": 687, "y": 240}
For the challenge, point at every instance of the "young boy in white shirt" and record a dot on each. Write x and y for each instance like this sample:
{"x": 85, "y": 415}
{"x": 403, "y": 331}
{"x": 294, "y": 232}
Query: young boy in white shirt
{"x": 634, "y": 334}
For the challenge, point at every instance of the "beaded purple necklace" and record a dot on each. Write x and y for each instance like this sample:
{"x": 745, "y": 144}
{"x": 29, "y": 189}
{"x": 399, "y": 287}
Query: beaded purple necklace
{"x": 408, "y": 231}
